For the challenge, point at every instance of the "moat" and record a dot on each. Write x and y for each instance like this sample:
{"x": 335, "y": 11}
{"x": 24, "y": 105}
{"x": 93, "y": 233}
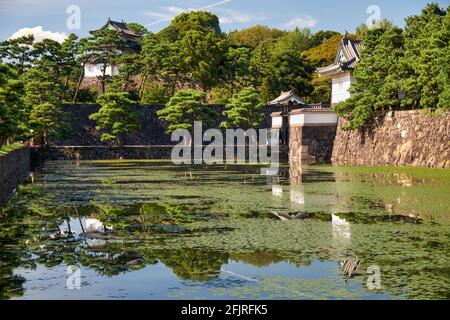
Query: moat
{"x": 154, "y": 230}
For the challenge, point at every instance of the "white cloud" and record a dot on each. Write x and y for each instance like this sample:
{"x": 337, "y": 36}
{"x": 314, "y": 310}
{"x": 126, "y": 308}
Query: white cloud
{"x": 231, "y": 16}
{"x": 225, "y": 20}
{"x": 226, "y": 16}
{"x": 302, "y": 22}
{"x": 177, "y": 10}
{"x": 39, "y": 34}
{"x": 165, "y": 14}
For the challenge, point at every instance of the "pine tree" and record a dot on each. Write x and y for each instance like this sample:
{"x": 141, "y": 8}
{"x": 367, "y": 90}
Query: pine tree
{"x": 46, "y": 121}
{"x": 115, "y": 116}
{"x": 244, "y": 110}
{"x": 105, "y": 46}
{"x": 376, "y": 79}
{"x": 426, "y": 59}
{"x": 43, "y": 116}
{"x": 11, "y": 89}
{"x": 18, "y": 53}
{"x": 185, "y": 107}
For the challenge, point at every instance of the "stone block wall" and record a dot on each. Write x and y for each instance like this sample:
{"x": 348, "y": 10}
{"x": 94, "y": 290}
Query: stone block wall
{"x": 151, "y": 132}
{"x": 14, "y": 168}
{"x": 401, "y": 138}
{"x": 311, "y": 144}
{"x": 38, "y": 155}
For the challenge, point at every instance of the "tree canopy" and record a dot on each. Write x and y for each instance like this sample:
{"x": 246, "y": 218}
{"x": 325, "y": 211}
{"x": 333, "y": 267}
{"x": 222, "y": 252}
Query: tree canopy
{"x": 115, "y": 116}
{"x": 185, "y": 107}
{"x": 253, "y": 36}
{"x": 10, "y": 102}
{"x": 193, "y": 61}
{"x": 245, "y": 110}
{"x": 401, "y": 69}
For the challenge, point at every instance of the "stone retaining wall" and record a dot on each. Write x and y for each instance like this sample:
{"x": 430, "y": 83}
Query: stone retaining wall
{"x": 14, "y": 168}
{"x": 408, "y": 138}
{"x": 39, "y": 155}
{"x": 99, "y": 153}
{"x": 151, "y": 131}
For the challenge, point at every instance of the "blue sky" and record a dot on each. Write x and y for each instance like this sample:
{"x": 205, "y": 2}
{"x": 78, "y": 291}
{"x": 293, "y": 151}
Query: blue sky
{"x": 234, "y": 14}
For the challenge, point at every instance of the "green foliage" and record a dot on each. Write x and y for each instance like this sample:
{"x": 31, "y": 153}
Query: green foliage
{"x": 105, "y": 47}
{"x": 116, "y": 116}
{"x": 42, "y": 117}
{"x": 46, "y": 121}
{"x": 18, "y": 52}
{"x": 321, "y": 90}
{"x": 245, "y": 110}
{"x": 236, "y": 66}
{"x": 201, "y": 56}
{"x": 11, "y": 89}
{"x": 185, "y": 107}
{"x": 321, "y": 37}
{"x": 260, "y": 68}
{"x": 57, "y": 59}
{"x": 220, "y": 95}
{"x": 137, "y": 28}
{"x": 161, "y": 62}
{"x": 192, "y": 52}
{"x": 186, "y": 53}
{"x": 296, "y": 40}
{"x": 289, "y": 70}
{"x": 201, "y": 21}
{"x": 401, "y": 69}
{"x": 130, "y": 67}
{"x": 253, "y": 36}
{"x": 324, "y": 54}
{"x": 363, "y": 29}
{"x": 87, "y": 95}
{"x": 426, "y": 57}
{"x": 5, "y": 149}
{"x": 40, "y": 87}
{"x": 154, "y": 93}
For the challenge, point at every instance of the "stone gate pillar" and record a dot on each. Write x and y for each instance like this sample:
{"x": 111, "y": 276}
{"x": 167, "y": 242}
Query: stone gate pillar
{"x": 311, "y": 134}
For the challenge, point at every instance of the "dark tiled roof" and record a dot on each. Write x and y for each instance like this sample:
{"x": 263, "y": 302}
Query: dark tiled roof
{"x": 286, "y": 97}
{"x": 121, "y": 27}
{"x": 347, "y": 57}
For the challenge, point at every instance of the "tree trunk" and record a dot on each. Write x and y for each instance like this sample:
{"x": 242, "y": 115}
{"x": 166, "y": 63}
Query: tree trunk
{"x": 119, "y": 140}
{"x": 45, "y": 138}
{"x": 102, "y": 82}
{"x": 66, "y": 85}
{"x": 80, "y": 80}
{"x": 141, "y": 84}
{"x": 232, "y": 83}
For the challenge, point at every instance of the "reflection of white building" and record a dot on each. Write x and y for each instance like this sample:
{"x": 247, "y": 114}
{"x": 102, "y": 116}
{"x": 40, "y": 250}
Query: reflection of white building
{"x": 277, "y": 190}
{"x": 341, "y": 230}
{"x": 95, "y": 225}
{"x": 297, "y": 197}
{"x": 341, "y": 69}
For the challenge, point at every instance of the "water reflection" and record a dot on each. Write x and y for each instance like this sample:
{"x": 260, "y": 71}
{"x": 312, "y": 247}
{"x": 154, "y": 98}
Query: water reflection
{"x": 226, "y": 228}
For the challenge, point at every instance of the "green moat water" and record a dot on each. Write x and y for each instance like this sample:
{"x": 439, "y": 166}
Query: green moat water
{"x": 154, "y": 230}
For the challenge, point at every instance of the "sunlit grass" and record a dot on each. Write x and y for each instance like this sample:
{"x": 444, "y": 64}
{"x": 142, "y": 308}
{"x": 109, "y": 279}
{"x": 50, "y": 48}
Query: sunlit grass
{"x": 4, "y": 150}
{"x": 416, "y": 172}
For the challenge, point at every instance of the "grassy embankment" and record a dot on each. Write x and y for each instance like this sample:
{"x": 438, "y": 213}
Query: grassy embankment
{"x": 4, "y": 150}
